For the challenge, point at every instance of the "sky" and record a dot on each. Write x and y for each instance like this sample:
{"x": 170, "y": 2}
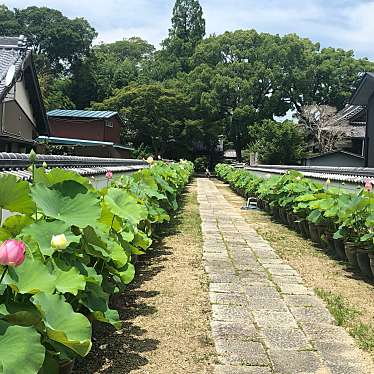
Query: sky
{"x": 347, "y": 24}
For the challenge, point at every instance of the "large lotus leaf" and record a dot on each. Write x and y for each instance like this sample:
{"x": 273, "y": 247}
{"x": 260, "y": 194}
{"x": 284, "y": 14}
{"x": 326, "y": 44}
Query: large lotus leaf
{"x": 20, "y": 350}
{"x": 124, "y": 205}
{"x": 94, "y": 244}
{"x": 4, "y": 234}
{"x": 117, "y": 253}
{"x": 31, "y": 277}
{"x": 24, "y": 314}
{"x": 62, "y": 324}
{"x": 142, "y": 240}
{"x": 96, "y": 300}
{"x": 69, "y": 280}
{"x": 57, "y": 175}
{"x": 110, "y": 316}
{"x": 81, "y": 211}
{"x": 110, "y": 220}
{"x": 15, "y": 224}
{"x": 128, "y": 232}
{"x": 146, "y": 184}
{"x": 126, "y": 274}
{"x": 15, "y": 195}
{"x": 42, "y": 232}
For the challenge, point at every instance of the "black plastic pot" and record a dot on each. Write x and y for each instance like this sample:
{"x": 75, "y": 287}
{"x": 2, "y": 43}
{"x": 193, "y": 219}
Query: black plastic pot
{"x": 260, "y": 203}
{"x": 364, "y": 262}
{"x": 303, "y": 227}
{"x": 329, "y": 241}
{"x": 371, "y": 258}
{"x": 314, "y": 235}
{"x": 66, "y": 367}
{"x": 283, "y": 216}
{"x": 351, "y": 253}
{"x": 276, "y": 214}
{"x": 340, "y": 249}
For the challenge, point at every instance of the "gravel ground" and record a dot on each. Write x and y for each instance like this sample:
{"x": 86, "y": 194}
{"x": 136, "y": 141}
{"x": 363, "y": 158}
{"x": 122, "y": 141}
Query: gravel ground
{"x": 165, "y": 312}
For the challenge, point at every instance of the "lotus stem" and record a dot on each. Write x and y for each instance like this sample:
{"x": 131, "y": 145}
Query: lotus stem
{"x": 3, "y": 275}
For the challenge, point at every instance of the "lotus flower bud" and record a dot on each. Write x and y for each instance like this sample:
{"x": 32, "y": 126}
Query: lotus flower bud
{"x": 109, "y": 175}
{"x": 45, "y": 165}
{"x": 12, "y": 252}
{"x": 298, "y": 178}
{"x": 150, "y": 160}
{"x": 368, "y": 185}
{"x": 59, "y": 242}
{"x": 32, "y": 156}
{"x": 328, "y": 181}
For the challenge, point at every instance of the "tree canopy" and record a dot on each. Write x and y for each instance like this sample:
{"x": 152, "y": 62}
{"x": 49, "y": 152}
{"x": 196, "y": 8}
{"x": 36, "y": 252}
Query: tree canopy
{"x": 180, "y": 99}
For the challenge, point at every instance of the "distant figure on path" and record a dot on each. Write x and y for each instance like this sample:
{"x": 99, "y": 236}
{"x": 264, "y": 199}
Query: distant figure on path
{"x": 207, "y": 173}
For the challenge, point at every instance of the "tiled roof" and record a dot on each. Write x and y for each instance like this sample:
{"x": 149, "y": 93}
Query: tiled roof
{"x": 9, "y": 56}
{"x": 81, "y": 113}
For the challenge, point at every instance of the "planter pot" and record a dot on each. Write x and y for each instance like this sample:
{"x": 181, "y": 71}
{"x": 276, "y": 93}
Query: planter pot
{"x": 283, "y": 216}
{"x": 314, "y": 235}
{"x": 351, "y": 253}
{"x": 371, "y": 258}
{"x": 340, "y": 249}
{"x": 290, "y": 220}
{"x": 329, "y": 241}
{"x": 305, "y": 228}
{"x": 276, "y": 214}
{"x": 260, "y": 203}
{"x": 364, "y": 262}
{"x": 66, "y": 367}
{"x": 321, "y": 229}
{"x": 296, "y": 224}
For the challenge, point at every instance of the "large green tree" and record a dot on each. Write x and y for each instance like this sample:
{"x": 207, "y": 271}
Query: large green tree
{"x": 49, "y": 32}
{"x": 186, "y": 32}
{"x": 153, "y": 115}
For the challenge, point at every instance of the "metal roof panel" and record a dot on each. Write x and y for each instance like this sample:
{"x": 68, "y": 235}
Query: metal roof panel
{"x": 81, "y": 113}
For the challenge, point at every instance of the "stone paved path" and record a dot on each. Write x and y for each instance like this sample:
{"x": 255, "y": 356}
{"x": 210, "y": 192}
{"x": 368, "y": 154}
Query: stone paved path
{"x": 264, "y": 319}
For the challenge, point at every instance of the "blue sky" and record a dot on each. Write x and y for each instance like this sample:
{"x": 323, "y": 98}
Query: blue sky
{"x": 345, "y": 24}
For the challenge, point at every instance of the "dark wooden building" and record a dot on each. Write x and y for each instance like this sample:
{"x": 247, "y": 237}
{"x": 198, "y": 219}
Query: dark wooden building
{"x": 22, "y": 113}
{"x": 101, "y": 126}
{"x": 364, "y": 96}
{"x": 85, "y": 133}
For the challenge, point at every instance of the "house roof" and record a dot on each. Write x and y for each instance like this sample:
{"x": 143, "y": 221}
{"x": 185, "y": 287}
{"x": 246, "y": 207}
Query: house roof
{"x": 364, "y": 91}
{"x": 9, "y": 55}
{"x": 13, "y": 51}
{"x": 79, "y": 142}
{"x": 81, "y": 113}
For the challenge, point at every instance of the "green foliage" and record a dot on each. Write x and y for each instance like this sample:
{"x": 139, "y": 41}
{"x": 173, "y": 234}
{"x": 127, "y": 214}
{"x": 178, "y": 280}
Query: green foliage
{"x": 153, "y": 114}
{"x": 47, "y": 303}
{"x": 347, "y": 215}
{"x": 279, "y": 143}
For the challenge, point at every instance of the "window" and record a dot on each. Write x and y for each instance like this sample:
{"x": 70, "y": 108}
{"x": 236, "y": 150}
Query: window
{"x": 108, "y": 123}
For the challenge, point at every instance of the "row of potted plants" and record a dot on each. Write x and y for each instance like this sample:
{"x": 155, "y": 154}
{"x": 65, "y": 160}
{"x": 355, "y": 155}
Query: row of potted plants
{"x": 339, "y": 221}
{"x": 65, "y": 250}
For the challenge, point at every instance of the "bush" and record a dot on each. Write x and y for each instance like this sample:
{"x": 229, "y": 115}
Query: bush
{"x": 200, "y": 163}
{"x": 277, "y": 143}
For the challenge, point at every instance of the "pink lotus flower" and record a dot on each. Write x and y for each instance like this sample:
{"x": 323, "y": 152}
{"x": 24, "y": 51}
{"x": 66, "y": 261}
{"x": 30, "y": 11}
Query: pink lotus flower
{"x": 368, "y": 185}
{"x": 109, "y": 175}
{"x": 12, "y": 252}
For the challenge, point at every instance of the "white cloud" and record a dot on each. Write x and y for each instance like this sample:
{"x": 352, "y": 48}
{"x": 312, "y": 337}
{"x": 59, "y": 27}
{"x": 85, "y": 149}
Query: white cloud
{"x": 339, "y": 23}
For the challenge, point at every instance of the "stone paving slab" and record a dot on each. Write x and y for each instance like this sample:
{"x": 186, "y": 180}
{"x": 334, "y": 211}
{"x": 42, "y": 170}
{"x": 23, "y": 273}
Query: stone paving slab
{"x": 264, "y": 319}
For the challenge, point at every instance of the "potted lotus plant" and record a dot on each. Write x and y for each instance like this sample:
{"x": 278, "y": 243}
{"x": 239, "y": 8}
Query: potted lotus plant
{"x": 353, "y": 221}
